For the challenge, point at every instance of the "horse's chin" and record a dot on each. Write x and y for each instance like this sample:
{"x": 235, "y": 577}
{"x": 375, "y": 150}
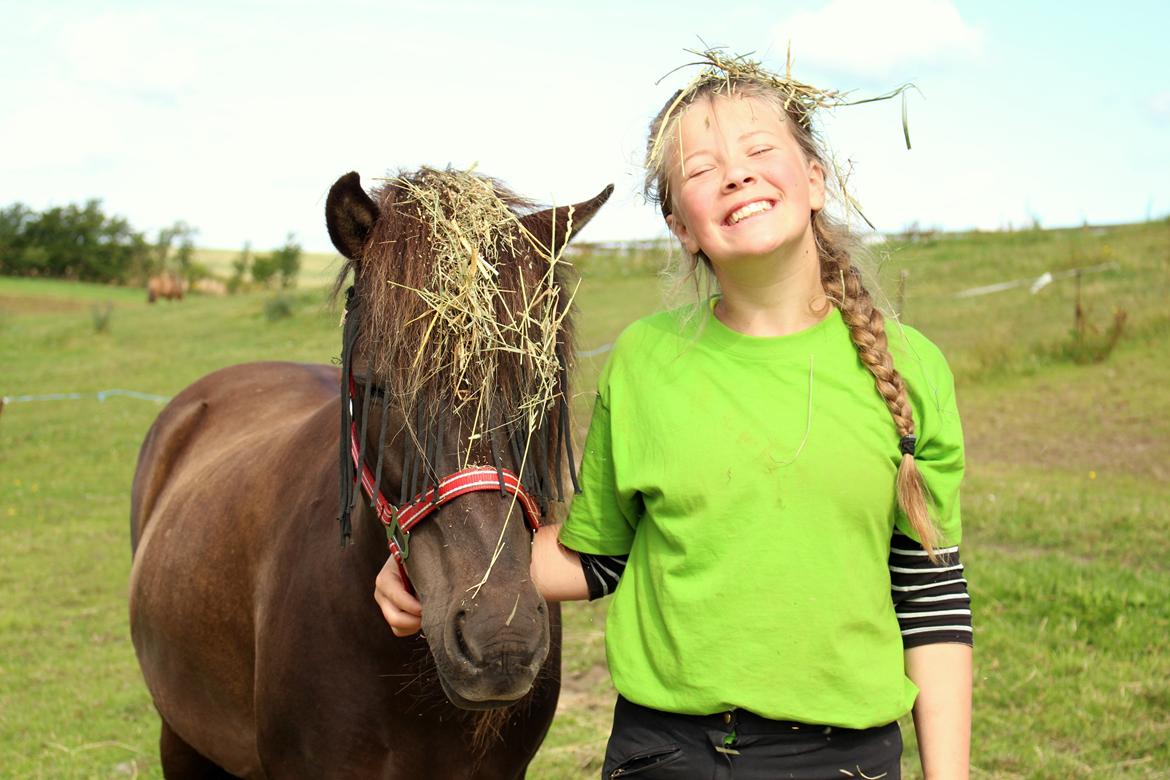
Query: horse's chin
{"x": 473, "y": 704}
{"x": 473, "y": 688}
{"x": 490, "y": 683}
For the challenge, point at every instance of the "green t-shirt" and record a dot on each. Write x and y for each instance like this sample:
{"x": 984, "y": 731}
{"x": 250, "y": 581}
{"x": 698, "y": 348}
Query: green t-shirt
{"x": 751, "y": 482}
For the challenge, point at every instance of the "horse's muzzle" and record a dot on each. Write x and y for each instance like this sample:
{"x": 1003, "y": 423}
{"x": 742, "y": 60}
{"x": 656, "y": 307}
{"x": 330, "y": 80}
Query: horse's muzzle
{"x": 486, "y": 665}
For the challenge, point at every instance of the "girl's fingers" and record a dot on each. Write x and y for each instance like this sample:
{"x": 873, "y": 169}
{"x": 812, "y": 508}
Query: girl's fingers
{"x": 389, "y": 585}
{"x": 401, "y": 623}
{"x": 401, "y": 609}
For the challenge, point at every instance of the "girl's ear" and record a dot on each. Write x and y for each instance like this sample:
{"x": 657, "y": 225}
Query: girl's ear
{"x": 682, "y": 233}
{"x": 816, "y": 186}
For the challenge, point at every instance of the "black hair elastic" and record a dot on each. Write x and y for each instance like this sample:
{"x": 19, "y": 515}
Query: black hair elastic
{"x": 906, "y": 444}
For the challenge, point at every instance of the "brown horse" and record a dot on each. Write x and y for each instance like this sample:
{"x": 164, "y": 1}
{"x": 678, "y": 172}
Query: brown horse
{"x": 166, "y": 286}
{"x": 256, "y": 631}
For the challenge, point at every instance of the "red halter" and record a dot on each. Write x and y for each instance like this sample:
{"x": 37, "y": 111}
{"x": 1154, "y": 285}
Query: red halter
{"x": 400, "y": 520}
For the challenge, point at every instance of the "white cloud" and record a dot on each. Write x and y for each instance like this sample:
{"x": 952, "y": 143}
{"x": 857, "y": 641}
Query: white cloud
{"x": 879, "y": 40}
{"x": 1158, "y": 106}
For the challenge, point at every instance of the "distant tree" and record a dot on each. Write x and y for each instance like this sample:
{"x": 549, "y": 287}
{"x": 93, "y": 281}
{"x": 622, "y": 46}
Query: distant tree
{"x": 174, "y": 252}
{"x": 81, "y": 242}
{"x": 71, "y": 242}
{"x": 288, "y": 262}
{"x": 241, "y": 265}
{"x": 263, "y": 269}
{"x": 13, "y": 241}
{"x": 281, "y": 267}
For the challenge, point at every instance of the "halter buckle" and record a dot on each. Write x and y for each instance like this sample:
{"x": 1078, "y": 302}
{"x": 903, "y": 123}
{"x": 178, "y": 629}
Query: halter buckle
{"x": 396, "y": 535}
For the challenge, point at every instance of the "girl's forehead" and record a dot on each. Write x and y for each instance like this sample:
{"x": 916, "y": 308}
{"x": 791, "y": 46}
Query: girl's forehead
{"x": 714, "y": 115}
{"x": 715, "y": 119}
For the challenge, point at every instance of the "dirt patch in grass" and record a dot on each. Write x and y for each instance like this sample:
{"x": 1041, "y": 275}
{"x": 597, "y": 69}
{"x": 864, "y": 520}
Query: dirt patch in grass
{"x": 13, "y": 304}
{"x": 1111, "y": 418}
{"x": 586, "y": 689}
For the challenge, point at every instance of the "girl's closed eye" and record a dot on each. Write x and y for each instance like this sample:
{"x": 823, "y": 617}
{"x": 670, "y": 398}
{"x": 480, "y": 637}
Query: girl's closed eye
{"x": 758, "y": 150}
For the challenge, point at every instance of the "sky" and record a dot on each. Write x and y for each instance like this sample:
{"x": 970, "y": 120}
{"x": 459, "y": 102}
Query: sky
{"x": 236, "y": 117}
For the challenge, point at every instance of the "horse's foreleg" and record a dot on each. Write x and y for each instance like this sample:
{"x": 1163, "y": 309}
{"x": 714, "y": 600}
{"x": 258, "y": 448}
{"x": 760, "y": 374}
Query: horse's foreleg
{"x": 180, "y": 761}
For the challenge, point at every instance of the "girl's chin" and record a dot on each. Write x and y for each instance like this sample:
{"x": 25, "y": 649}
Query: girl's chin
{"x": 762, "y": 249}
{"x": 759, "y": 235}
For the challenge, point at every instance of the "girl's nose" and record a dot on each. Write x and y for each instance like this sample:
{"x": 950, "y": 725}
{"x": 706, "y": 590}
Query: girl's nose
{"x": 737, "y": 178}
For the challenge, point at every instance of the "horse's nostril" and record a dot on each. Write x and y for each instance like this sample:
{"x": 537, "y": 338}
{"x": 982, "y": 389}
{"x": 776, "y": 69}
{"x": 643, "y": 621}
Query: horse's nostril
{"x": 461, "y": 641}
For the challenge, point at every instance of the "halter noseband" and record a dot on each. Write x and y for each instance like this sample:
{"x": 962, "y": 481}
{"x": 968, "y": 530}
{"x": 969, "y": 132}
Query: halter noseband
{"x": 399, "y": 520}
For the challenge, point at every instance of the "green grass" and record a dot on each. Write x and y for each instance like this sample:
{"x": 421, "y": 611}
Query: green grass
{"x": 1066, "y": 506}
{"x": 1015, "y": 331}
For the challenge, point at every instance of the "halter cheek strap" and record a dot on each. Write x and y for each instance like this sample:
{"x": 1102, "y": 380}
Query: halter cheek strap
{"x": 399, "y": 520}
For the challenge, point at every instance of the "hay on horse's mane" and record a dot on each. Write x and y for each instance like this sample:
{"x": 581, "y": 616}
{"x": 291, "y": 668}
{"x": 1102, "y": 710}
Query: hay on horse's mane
{"x": 464, "y": 309}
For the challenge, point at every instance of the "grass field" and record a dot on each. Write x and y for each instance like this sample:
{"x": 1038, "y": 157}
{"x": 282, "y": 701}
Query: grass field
{"x": 1066, "y": 506}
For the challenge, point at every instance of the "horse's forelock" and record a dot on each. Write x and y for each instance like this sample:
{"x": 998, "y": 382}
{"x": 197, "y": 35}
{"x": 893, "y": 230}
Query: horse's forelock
{"x": 399, "y": 261}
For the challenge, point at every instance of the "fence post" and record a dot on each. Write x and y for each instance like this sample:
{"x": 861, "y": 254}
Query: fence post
{"x": 1078, "y": 310}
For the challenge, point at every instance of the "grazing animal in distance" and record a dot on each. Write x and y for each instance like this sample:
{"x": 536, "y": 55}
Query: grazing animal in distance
{"x": 256, "y": 631}
{"x": 166, "y": 286}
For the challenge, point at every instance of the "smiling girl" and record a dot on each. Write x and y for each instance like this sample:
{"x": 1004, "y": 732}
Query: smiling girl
{"x": 770, "y": 482}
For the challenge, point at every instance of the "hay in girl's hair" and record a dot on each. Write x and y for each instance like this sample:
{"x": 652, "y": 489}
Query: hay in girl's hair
{"x": 469, "y": 317}
{"x": 729, "y": 71}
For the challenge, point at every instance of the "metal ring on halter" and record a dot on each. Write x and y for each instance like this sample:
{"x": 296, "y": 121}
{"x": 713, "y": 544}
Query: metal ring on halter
{"x": 395, "y": 533}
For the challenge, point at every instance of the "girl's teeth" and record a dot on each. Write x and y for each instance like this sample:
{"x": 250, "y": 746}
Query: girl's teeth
{"x": 748, "y": 210}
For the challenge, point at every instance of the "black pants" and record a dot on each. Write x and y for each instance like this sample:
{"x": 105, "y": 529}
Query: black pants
{"x": 651, "y": 744}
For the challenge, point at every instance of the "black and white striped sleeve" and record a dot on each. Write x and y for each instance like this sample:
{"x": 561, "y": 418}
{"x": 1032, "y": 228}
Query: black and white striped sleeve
{"x": 602, "y": 573}
{"x": 930, "y": 599}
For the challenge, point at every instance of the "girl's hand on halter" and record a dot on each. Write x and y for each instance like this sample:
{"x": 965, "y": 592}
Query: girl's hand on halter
{"x": 402, "y": 611}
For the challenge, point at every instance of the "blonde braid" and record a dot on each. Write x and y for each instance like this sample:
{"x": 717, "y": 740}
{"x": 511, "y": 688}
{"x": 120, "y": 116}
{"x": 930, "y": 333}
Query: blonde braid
{"x": 843, "y": 286}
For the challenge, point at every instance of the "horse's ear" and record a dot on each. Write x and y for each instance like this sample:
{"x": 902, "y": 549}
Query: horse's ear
{"x": 557, "y": 226}
{"x": 349, "y": 215}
